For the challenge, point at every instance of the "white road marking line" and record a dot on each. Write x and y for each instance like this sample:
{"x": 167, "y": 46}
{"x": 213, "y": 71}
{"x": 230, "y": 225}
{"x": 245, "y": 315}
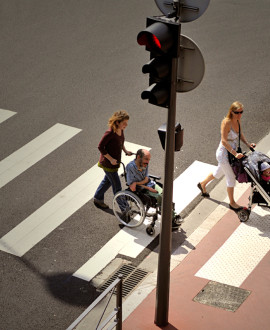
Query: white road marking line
{"x": 48, "y": 217}
{"x": 128, "y": 241}
{"x": 242, "y": 252}
{"x": 185, "y": 186}
{"x": 5, "y": 114}
{"x": 34, "y": 151}
{"x": 132, "y": 241}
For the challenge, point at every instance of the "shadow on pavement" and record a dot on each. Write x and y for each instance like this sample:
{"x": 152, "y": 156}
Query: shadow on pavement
{"x": 66, "y": 287}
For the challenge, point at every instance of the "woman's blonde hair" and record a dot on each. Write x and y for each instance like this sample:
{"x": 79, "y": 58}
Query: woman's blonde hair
{"x": 234, "y": 107}
{"x": 116, "y": 118}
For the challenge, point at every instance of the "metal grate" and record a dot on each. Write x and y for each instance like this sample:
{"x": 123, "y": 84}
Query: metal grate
{"x": 223, "y": 296}
{"x": 132, "y": 276}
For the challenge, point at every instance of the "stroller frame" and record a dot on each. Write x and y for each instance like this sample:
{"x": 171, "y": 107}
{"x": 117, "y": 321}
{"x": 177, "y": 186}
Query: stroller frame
{"x": 256, "y": 187}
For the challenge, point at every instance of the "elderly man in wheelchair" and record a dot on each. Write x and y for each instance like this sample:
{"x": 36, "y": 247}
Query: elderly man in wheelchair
{"x": 144, "y": 192}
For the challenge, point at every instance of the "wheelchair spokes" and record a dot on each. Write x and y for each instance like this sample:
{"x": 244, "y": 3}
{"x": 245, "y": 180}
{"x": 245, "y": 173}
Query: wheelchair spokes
{"x": 128, "y": 209}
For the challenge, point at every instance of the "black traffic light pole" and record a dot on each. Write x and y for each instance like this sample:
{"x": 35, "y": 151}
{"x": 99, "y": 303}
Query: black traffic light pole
{"x": 163, "y": 276}
{"x": 162, "y": 38}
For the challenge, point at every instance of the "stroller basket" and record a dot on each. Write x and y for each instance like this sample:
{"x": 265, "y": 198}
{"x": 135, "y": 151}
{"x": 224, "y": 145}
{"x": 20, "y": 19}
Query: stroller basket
{"x": 259, "y": 188}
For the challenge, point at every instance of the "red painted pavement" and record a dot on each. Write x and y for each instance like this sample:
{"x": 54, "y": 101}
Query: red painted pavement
{"x": 186, "y": 314}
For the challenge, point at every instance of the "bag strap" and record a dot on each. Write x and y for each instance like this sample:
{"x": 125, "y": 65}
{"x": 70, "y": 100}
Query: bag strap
{"x": 239, "y": 133}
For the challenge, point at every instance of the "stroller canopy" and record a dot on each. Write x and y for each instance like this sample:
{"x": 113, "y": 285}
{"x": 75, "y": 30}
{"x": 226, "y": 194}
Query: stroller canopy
{"x": 253, "y": 163}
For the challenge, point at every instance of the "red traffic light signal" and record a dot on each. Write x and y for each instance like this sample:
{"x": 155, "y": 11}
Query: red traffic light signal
{"x": 160, "y": 37}
{"x": 156, "y": 38}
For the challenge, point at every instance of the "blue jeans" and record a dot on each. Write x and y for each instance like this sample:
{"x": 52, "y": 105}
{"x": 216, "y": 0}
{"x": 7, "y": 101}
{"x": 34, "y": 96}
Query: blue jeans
{"x": 110, "y": 179}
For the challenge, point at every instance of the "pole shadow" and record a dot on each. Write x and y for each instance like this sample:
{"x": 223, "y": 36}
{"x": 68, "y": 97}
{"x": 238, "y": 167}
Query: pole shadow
{"x": 66, "y": 287}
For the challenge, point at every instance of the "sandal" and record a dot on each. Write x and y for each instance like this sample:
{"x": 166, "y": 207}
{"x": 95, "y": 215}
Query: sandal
{"x": 204, "y": 194}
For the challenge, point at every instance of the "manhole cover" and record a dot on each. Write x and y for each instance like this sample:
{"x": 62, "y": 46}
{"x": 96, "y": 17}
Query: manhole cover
{"x": 222, "y": 296}
{"x": 132, "y": 276}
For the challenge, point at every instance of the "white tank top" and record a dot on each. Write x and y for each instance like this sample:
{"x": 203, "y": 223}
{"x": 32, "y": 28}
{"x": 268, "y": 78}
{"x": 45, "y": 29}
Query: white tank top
{"x": 222, "y": 152}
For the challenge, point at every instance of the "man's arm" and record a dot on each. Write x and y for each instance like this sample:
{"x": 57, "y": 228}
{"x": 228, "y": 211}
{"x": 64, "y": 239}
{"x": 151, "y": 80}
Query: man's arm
{"x": 134, "y": 184}
{"x": 142, "y": 183}
{"x": 148, "y": 188}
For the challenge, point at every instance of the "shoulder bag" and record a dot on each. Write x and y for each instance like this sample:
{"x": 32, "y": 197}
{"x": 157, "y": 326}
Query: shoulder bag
{"x": 236, "y": 164}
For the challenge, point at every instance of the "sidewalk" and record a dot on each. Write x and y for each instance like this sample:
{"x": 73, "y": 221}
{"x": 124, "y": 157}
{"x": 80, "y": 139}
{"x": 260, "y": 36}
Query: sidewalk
{"x": 222, "y": 265}
{"x": 229, "y": 268}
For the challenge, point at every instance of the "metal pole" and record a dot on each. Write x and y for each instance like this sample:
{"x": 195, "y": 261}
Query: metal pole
{"x": 163, "y": 276}
{"x": 119, "y": 302}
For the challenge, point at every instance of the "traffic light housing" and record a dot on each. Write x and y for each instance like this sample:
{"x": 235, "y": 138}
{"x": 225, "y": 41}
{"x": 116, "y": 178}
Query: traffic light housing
{"x": 162, "y": 39}
{"x": 178, "y": 135}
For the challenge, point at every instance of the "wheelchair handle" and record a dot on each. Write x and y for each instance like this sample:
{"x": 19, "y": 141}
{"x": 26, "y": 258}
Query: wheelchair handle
{"x": 124, "y": 167}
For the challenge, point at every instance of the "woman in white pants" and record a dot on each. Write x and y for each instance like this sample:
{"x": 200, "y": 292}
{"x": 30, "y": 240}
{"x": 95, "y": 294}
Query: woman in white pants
{"x": 229, "y": 140}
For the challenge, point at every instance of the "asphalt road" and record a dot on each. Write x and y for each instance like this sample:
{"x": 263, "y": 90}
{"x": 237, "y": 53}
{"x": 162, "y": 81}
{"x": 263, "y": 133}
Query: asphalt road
{"x": 74, "y": 63}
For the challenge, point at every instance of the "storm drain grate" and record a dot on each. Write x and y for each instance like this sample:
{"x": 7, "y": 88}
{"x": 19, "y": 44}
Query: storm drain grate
{"x": 132, "y": 276}
{"x": 223, "y": 296}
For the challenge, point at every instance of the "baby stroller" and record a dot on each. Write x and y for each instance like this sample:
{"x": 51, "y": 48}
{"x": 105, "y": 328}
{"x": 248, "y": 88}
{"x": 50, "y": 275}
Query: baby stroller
{"x": 260, "y": 189}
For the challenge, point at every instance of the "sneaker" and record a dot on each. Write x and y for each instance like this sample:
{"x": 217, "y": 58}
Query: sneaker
{"x": 100, "y": 204}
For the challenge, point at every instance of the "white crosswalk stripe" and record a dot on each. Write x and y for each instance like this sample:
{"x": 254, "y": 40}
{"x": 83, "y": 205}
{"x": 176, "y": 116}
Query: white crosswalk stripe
{"x": 5, "y": 114}
{"x": 34, "y": 151}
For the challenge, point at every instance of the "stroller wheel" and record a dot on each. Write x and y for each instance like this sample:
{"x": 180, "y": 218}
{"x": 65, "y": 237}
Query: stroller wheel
{"x": 243, "y": 215}
{"x": 150, "y": 230}
{"x": 177, "y": 220}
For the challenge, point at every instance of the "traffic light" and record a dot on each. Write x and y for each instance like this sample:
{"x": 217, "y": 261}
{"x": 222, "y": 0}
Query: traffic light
{"x": 178, "y": 136}
{"x": 162, "y": 39}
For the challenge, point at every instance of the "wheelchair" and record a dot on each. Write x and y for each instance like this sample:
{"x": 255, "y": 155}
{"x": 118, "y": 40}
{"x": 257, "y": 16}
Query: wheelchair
{"x": 131, "y": 208}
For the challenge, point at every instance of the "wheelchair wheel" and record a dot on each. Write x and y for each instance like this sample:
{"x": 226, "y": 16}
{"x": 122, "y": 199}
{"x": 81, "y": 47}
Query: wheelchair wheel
{"x": 128, "y": 209}
{"x": 150, "y": 230}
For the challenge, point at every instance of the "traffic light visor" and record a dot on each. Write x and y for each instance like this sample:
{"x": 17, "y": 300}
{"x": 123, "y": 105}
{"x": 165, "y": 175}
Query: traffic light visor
{"x": 156, "y": 37}
{"x": 156, "y": 94}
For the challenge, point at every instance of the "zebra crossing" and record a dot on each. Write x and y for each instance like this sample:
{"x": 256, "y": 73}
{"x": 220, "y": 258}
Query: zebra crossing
{"x": 29, "y": 232}
{"x": 49, "y": 216}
